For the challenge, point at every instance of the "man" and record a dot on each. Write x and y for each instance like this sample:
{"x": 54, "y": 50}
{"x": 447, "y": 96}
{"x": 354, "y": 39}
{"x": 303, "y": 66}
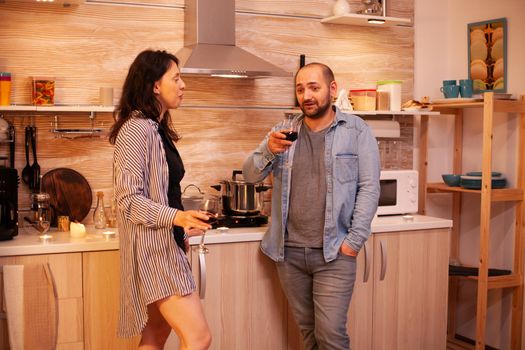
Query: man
{"x": 323, "y": 202}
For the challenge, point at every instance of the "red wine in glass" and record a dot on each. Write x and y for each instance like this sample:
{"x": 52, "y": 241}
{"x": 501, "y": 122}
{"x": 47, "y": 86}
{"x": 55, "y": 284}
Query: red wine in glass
{"x": 291, "y": 135}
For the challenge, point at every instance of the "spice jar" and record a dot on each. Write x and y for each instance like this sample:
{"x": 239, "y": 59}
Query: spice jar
{"x": 5, "y": 88}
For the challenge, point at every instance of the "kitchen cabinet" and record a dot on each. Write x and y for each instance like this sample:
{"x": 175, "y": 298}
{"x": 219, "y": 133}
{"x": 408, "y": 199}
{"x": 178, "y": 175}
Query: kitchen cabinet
{"x": 400, "y": 294}
{"x": 514, "y": 281}
{"x": 67, "y": 273}
{"x": 243, "y": 303}
{"x": 101, "y": 285}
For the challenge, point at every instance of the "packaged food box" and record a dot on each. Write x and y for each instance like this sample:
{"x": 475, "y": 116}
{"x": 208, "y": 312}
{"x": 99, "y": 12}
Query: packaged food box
{"x": 364, "y": 99}
{"x": 43, "y": 91}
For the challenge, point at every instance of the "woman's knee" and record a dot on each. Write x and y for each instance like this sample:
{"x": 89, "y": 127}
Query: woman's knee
{"x": 199, "y": 341}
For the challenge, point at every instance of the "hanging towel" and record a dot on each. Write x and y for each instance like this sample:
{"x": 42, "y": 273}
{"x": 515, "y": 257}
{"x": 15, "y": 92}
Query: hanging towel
{"x": 14, "y": 304}
{"x": 31, "y": 304}
{"x": 40, "y": 308}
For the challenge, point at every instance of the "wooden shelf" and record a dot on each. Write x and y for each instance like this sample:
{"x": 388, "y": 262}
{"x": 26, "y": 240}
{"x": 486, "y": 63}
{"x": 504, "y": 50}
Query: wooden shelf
{"x": 498, "y": 195}
{"x": 367, "y": 20}
{"x": 410, "y": 112}
{"x": 57, "y": 108}
{"x": 508, "y": 106}
{"x": 499, "y": 282}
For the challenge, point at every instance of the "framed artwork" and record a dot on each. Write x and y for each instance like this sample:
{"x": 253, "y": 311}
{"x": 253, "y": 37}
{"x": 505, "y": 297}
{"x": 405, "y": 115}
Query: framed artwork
{"x": 487, "y": 55}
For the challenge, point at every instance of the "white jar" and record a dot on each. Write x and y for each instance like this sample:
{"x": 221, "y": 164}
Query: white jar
{"x": 393, "y": 87}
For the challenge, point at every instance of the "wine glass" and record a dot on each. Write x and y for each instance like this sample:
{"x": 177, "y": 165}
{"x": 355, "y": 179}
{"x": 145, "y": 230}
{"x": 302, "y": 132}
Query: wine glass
{"x": 289, "y": 127}
{"x": 210, "y": 207}
{"x": 42, "y": 225}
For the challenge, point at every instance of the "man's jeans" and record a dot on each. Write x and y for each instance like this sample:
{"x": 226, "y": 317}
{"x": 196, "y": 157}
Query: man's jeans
{"x": 319, "y": 294}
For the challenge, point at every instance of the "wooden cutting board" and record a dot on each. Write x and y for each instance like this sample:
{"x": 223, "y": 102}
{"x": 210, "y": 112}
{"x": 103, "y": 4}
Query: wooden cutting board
{"x": 69, "y": 192}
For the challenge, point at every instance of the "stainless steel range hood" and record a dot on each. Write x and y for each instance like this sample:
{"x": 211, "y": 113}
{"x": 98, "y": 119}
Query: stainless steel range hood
{"x": 209, "y": 44}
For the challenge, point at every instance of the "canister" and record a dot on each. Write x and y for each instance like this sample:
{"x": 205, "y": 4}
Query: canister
{"x": 363, "y": 99}
{"x": 43, "y": 91}
{"x": 5, "y": 88}
{"x": 393, "y": 87}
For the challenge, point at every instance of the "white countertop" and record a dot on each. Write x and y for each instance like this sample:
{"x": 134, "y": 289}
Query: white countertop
{"x": 28, "y": 242}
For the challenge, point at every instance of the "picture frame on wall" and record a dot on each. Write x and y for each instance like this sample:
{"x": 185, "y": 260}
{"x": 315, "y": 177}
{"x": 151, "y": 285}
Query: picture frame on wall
{"x": 487, "y": 55}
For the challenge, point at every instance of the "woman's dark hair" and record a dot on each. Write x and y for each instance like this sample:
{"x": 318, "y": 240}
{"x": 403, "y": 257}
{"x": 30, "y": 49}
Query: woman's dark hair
{"x": 137, "y": 92}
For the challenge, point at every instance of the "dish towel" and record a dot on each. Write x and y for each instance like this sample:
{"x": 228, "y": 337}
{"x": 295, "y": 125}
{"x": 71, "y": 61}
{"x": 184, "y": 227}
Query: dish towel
{"x": 34, "y": 324}
{"x": 14, "y": 304}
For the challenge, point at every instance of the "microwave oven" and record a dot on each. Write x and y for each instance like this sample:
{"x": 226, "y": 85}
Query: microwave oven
{"x": 399, "y": 192}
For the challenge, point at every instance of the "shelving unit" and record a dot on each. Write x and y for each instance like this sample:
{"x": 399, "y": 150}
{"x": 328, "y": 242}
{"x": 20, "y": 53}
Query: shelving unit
{"x": 57, "y": 108}
{"x": 488, "y": 195}
{"x": 368, "y": 20}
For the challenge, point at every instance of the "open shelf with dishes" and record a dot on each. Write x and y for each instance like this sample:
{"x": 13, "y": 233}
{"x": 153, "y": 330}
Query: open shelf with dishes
{"x": 514, "y": 279}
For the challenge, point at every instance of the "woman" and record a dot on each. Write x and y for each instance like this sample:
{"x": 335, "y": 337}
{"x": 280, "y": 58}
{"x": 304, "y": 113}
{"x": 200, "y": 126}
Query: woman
{"x": 157, "y": 287}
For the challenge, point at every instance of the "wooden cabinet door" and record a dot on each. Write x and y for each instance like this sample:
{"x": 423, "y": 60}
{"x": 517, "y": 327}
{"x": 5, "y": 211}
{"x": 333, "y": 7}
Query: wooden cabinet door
{"x": 410, "y": 290}
{"x": 67, "y": 274}
{"x": 101, "y": 302}
{"x": 360, "y": 313}
{"x": 244, "y": 304}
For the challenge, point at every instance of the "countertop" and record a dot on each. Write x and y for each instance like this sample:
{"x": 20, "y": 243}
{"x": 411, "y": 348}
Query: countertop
{"x": 28, "y": 242}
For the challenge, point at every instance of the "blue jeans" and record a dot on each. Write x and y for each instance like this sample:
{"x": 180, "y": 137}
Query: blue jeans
{"x": 319, "y": 294}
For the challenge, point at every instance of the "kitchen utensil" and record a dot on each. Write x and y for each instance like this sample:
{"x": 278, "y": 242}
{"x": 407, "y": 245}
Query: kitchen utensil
{"x": 35, "y": 168}
{"x": 241, "y": 197}
{"x": 26, "y": 172}
{"x": 193, "y": 200}
{"x": 12, "y": 137}
{"x": 70, "y": 194}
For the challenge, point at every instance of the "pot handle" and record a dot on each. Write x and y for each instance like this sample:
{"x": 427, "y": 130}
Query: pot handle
{"x": 217, "y": 187}
{"x": 192, "y": 185}
{"x": 235, "y": 173}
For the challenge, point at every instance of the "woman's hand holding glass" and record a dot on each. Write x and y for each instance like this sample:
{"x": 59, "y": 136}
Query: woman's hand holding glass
{"x": 191, "y": 219}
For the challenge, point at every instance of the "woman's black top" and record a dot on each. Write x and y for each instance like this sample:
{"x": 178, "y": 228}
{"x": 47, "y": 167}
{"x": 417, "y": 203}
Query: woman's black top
{"x": 176, "y": 173}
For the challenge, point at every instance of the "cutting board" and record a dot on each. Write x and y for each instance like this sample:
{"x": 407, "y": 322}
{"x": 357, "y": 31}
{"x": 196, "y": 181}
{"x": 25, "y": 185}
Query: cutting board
{"x": 69, "y": 192}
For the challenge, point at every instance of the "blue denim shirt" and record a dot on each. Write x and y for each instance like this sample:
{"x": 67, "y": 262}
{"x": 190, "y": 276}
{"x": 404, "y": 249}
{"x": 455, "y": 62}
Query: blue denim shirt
{"x": 352, "y": 186}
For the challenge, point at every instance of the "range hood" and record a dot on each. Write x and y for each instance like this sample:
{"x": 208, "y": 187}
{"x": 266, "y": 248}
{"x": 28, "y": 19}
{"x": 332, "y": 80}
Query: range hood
{"x": 209, "y": 44}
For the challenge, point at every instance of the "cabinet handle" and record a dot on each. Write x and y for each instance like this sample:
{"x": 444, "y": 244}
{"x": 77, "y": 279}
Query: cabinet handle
{"x": 368, "y": 259}
{"x": 383, "y": 260}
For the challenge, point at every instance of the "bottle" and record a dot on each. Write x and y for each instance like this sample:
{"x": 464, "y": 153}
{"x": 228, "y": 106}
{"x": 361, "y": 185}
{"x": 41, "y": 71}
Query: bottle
{"x": 99, "y": 215}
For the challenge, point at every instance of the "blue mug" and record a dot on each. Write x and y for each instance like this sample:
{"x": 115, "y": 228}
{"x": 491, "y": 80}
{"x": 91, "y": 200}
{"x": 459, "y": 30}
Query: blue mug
{"x": 449, "y": 82}
{"x": 465, "y": 88}
{"x": 450, "y": 91}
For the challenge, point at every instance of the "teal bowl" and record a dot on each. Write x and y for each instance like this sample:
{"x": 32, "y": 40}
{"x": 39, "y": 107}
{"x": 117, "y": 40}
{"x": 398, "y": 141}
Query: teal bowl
{"x": 452, "y": 179}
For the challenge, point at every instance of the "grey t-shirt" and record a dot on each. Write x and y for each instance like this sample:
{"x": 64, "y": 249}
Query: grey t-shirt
{"x": 308, "y": 191}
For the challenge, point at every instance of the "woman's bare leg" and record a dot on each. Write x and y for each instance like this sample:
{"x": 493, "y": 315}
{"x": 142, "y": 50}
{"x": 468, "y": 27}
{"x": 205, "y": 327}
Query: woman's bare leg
{"x": 156, "y": 332}
{"x": 186, "y": 316}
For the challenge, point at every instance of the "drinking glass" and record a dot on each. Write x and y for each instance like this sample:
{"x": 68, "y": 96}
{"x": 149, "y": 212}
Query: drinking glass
{"x": 209, "y": 206}
{"x": 42, "y": 225}
{"x": 289, "y": 127}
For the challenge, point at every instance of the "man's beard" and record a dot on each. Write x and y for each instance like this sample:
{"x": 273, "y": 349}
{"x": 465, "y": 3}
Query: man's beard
{"x": 319, "y": 113}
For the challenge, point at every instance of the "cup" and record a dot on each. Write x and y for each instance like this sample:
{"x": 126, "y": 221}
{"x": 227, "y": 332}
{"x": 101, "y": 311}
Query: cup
{"x": 465, "y": 88}
{"x": 106, "y": 96}
{"x": 450, "y": 91}
{"x": 449, "y": 82}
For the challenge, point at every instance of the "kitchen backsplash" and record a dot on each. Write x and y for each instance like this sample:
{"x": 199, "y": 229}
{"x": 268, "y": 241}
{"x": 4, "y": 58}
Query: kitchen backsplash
{"x": 214, "y": 142}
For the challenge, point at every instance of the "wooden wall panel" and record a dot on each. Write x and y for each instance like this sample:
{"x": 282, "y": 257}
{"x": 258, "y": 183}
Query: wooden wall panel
{"x": 92, "y": 45}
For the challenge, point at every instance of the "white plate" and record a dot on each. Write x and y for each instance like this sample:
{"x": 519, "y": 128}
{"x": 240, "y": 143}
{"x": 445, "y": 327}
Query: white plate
{"x": 456, "y": 100}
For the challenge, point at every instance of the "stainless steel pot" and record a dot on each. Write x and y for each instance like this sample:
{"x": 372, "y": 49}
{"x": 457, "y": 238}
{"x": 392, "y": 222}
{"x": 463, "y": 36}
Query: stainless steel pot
{"x": 241, "y": 198}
